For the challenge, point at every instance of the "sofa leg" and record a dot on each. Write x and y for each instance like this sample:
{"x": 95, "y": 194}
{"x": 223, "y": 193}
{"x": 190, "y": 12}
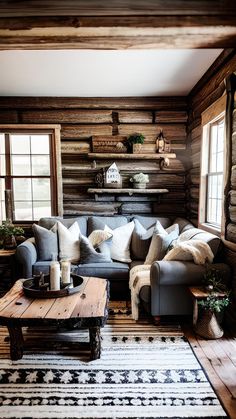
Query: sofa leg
{"x": 156, "y": 320}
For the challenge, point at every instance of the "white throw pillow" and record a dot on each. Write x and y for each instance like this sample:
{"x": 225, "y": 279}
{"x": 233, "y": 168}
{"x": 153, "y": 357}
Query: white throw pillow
{"x": 69, "y": 245}
{"x": 161, "y": 240}
{"x": 120, "y": 247}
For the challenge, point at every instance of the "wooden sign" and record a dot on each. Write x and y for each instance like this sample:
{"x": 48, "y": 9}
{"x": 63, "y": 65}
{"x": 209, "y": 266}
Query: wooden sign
{"x": 109, "y": 144}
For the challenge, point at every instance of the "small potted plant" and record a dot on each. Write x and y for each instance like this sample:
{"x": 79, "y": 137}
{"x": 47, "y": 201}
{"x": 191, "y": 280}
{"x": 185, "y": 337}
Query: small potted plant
{"x": 9, "y": 233}
{"x": 139, "y": 180}
{"x": 213, "y": 281}
{"x": 134, "y": 142}
{"x": 208, "y": 324}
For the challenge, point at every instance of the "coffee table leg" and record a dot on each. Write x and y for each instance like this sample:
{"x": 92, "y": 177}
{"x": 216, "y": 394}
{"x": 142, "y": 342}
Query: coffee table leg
{"x": 195, "y": 312}
{"x": 95, "y": 342}
{"x": 16, "y": 342}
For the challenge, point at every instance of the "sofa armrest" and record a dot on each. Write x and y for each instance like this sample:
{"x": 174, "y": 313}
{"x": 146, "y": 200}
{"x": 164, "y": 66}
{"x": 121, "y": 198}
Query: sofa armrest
{"x": 27, "y": 255}
{"x": 175, "y": 272}
{"x": 179, "y": 273}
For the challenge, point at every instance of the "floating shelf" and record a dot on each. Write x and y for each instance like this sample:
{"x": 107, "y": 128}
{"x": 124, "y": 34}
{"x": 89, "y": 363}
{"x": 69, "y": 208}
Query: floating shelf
{"x": 162, "y": 159}
{"x": 129, "y": 191}
{"x": 129, "y": 156}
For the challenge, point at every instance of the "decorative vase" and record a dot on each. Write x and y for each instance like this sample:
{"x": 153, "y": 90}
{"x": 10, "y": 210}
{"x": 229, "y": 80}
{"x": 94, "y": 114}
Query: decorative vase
{"x": 208, "y": 326}
{"x": 137, "y": 148}
{"x": 10, "y": 242}
{"x": 139, "y": 185}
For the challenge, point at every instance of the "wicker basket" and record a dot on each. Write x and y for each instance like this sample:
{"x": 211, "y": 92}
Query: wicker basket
{"x": 208, "y": 326}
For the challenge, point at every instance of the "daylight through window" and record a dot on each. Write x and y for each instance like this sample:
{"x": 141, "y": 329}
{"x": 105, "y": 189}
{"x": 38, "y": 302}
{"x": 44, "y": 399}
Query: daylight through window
{"x": 26, "y": 168}
{"x": 215, "y": 173}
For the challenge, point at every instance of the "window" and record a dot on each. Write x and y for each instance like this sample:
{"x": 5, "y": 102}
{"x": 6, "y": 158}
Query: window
{"x": 215, "y": 173}
{"x": 29, "y": 169}
{"x": 212, "y": 168}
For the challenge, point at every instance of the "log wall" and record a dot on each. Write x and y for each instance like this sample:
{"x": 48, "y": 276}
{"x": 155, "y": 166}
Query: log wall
{"x": 83, "y": 118}
{"x": 206, "y": 92}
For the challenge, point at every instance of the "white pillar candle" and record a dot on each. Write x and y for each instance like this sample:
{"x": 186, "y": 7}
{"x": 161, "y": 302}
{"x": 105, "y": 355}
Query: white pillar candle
{"x": 54, "y": 276}
{"x": 65, "y": 272}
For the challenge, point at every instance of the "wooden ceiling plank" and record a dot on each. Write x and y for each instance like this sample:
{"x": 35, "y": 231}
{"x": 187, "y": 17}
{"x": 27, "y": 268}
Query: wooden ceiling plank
{"x": 112, "y": 7}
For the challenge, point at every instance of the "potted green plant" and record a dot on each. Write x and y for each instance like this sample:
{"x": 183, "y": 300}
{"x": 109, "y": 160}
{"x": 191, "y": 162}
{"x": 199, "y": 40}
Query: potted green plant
{"x": 139, "y": 180}
{"x": 134, "y": 142}
{"x": 208, "y": 325}
{"x": 9, "y": 233}
{"x": 213, "y": 281}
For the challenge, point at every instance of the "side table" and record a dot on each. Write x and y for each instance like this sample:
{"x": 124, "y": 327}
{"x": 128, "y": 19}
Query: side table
{"x": 8, "y": 266}
{"x": 199, "y": 293}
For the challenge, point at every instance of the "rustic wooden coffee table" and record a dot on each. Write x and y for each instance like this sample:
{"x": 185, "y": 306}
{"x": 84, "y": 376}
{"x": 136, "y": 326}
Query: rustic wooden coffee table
{"x": 85, "y": 309}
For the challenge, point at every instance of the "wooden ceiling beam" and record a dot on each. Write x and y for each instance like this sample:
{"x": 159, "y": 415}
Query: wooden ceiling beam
{"x": 115, "y": 33}
{"x": 21, "y": 8}
{"x": 147, "y": 103}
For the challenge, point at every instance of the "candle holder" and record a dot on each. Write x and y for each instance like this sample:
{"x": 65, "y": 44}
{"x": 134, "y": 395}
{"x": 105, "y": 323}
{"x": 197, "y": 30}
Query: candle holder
{"x": 34, "y": 289}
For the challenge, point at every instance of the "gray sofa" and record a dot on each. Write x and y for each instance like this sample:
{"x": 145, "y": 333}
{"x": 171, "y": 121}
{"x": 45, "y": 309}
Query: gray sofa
{"x": 168, "y": 293}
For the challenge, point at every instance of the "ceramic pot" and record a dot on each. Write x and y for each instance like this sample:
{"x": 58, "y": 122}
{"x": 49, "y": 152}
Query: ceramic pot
{"x": 10, "y": 242}
{"x": 139, "y": 185}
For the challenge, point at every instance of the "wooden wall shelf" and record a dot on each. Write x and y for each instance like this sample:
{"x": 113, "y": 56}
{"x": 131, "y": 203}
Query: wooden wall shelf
{"x": 129, "y": 191}
{"x": 129, "y": 156}
{"x": 162, "y": 159}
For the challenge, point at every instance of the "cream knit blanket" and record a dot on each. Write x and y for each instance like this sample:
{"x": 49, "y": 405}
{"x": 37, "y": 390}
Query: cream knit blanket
{"x": 138, "y": 277}
{"x": 196, "y": 250}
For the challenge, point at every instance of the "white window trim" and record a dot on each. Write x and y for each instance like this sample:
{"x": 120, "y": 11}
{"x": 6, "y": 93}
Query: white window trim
{"x": 210, "y": 116}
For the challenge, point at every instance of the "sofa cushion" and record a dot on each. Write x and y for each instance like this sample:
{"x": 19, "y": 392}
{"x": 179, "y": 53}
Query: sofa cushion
{"x": 161, "y": 240}
{"x": 69, "y": 245}
{"x": 141, "y": 240}
{"x": 89, "y": 255}
{"x": 184, "y": 224}
{"x": 148, "y": 221}
{"x": 113, "y": 270}
{"x": 48, "y": 222}
{"x": 98, "y": 223}
{"x": 46, "y": 242}
{"x": 121, "y": 238}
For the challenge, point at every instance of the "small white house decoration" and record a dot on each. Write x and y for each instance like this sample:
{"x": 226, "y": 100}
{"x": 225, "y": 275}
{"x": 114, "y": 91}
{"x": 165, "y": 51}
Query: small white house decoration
{"x": 112, "y": 178}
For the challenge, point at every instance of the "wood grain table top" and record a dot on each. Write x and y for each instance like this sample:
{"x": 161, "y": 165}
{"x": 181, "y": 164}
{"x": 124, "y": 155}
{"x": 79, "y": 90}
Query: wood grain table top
{"x": 7, "y": 253}
{"x": 201, "y": 292}
{"x": 90, "y": 302}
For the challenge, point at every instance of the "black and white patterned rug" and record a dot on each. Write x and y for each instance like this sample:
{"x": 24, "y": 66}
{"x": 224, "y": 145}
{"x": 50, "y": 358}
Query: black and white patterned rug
{"x": 144, "y": 372}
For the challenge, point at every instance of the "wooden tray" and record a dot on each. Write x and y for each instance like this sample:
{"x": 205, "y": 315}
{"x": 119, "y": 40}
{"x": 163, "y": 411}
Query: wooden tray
{"x": 30, "y": 288}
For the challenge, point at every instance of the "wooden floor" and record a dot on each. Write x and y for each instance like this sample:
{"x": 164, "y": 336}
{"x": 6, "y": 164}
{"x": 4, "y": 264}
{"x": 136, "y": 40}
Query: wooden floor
{"x": 218, "y": 358}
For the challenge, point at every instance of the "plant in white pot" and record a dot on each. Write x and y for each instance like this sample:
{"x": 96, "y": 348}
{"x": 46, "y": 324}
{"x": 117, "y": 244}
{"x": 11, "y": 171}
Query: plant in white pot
{"x": 139, "y": 180}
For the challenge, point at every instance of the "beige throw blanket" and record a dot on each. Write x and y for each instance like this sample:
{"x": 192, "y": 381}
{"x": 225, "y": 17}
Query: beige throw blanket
{"x": 197, "y": 250}
{"x": 139, "y": 276}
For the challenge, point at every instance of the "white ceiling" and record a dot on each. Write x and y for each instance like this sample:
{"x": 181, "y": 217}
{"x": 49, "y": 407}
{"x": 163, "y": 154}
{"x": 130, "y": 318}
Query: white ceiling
{"x": 93, "y": 73}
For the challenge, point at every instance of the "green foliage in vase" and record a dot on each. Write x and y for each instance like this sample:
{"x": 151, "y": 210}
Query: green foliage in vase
{"x": 8, "y": 229}
{"x": 140, "y": 178}
{"x": 213, "y": 279}
{"x": 135, "y": 138}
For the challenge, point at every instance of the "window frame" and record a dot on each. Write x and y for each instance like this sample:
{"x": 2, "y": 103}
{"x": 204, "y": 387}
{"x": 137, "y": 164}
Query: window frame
{"x": 208, "y": 121}
{"x": 55, "y": 163}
